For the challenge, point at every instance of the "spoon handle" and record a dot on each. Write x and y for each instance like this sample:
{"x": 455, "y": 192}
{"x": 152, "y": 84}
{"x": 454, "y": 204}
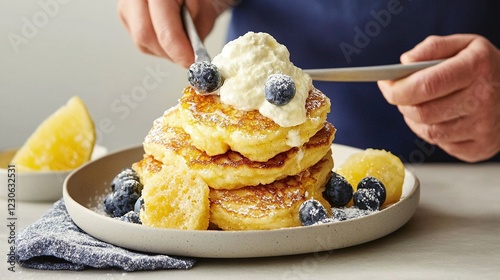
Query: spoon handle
{"x": 200, "y": 52}
{"x": 369, "y": 73}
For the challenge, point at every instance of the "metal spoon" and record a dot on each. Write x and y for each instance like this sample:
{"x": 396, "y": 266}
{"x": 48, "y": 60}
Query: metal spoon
{"x": 369, "y": 73}
{"x": 200, "y": 52}
{"x": 348, "y": 74}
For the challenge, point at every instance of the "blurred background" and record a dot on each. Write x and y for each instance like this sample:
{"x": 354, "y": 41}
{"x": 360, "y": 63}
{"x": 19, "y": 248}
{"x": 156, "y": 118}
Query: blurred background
{"x": 51, "y": 50}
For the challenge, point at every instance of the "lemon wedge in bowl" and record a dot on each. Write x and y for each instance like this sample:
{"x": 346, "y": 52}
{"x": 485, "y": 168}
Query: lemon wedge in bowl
{"x": 63, "y": 141}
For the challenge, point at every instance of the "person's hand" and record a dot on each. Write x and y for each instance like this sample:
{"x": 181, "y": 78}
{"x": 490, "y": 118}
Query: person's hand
{"x": 455, "y": 104}
{"x": 156, "y": 25}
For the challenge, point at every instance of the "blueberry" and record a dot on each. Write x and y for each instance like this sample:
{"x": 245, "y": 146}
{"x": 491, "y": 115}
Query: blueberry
{"x": 139, "y": 204}
{"x": 126, "y": 173}
{"x": 366, "y": 199}
{"x": 131, "y": 217}
{"x": 204, "y": 77}
{"x": 376, "y": 184}
{"x": 109, "y": 205}
{"x": 311, "y": 212}
{"x": 339, "y": 214}
{"x": 279, "y": 89}
{"x": 123, "y": 199}
{"x": 338, "y": 191}
{"x": 130, "y": 186}
{"x": 124, "y": 203}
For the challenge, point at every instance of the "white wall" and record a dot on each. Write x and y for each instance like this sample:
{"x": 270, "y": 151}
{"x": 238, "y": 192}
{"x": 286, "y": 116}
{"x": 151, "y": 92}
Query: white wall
{"x": 50, "y": 51}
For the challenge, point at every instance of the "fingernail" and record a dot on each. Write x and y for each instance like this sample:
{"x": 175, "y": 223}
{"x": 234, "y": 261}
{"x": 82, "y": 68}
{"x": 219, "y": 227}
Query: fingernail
{"x": 407, "y": 57}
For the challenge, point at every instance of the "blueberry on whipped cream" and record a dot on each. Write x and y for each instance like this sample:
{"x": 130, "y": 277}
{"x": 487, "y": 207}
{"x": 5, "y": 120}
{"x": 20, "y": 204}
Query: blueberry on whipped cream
{"x": 279, "y": 89}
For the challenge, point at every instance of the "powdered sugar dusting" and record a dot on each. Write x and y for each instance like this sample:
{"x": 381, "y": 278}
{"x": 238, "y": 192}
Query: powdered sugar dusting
{"x": 346, "y": 213}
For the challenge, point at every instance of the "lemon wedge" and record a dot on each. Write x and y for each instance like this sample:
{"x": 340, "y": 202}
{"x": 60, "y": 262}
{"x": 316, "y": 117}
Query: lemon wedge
{"x": 380, "y": 164}
{"x": 63, "y": 141}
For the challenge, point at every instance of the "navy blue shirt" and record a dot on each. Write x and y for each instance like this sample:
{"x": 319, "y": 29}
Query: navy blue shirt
{"x": 346, "y": 33}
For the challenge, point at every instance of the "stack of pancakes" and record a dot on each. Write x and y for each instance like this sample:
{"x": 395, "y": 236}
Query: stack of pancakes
{"x": 209, "y": 165}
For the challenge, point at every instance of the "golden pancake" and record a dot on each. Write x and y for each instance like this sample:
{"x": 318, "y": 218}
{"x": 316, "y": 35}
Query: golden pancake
{"x": 271, "y": 206}
{"x": 173, "y": 197}
{"x": 216, "y": 128}
{"x": 172, "y": 146}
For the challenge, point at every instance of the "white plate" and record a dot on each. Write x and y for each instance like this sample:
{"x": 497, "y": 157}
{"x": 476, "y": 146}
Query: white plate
{"x": 84, "y": 187}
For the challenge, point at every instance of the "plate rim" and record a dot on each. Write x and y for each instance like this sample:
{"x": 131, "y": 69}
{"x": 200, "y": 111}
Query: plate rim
{"x": 89, "y": 221}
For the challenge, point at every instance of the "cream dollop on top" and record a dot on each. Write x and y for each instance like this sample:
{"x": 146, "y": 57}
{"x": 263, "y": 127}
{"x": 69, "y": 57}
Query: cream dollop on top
{"x": 246, "y": 62}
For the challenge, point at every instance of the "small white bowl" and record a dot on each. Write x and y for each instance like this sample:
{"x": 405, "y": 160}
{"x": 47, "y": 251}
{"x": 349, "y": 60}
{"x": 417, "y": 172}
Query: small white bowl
{"x": 36, "y": 186}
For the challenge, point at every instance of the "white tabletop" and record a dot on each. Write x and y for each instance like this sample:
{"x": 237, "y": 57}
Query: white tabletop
{"x": 454, "y": 234}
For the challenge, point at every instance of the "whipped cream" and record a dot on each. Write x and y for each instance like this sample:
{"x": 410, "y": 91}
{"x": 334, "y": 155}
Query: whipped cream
{"x": 246, "y": 62}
